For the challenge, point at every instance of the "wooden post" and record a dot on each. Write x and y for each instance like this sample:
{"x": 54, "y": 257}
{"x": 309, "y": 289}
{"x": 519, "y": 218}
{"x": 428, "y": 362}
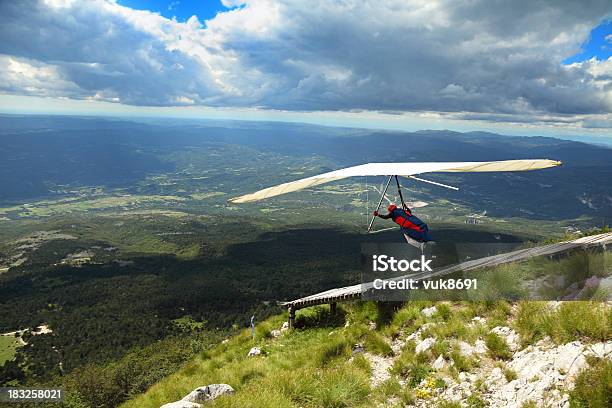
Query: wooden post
{"x": 291, "y": 317}
{"x": 385, "y": 312}
{"x": 333, "y": 307}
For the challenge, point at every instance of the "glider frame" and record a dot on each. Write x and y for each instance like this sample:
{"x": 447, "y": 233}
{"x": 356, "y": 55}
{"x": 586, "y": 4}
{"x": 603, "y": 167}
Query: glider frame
{"x": 399, "y": 191}
{"x": 382, "y": 197}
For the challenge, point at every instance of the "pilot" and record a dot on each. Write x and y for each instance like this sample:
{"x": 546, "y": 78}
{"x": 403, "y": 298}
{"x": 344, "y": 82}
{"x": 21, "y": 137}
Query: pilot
{"x": 410, "y": 225}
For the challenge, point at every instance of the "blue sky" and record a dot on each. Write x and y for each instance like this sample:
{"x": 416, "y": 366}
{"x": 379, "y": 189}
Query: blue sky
{"x": 521, "y": 66}
{"x": 598, "y": 45}
{"x": 182, "y": 10}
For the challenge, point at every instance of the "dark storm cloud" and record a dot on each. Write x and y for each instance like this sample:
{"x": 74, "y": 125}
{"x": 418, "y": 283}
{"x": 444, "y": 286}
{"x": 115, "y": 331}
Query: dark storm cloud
{"x": 100, "y": 54}
{"x": 478, "y": 59}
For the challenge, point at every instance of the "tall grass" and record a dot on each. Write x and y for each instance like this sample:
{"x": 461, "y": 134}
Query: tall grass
{"x": 303, "y": 368}
{"x": 376, "y": 344}
{"x": 498, "y": 347}
{"x": 593, "y": 387}
{"x": 570, "y": 321}
{"x": 314, "y": 366}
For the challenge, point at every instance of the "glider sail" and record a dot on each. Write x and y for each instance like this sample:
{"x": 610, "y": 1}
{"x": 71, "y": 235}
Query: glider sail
{"x": 401, "y": 169}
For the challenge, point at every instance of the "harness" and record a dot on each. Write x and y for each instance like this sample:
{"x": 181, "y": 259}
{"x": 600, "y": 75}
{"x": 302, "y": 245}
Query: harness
{"x": 405, "y": 219}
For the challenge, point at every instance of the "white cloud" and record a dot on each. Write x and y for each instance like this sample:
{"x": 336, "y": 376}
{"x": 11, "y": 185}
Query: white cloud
{"x": 472, "y": 59}
{"x": 34, "y": 78}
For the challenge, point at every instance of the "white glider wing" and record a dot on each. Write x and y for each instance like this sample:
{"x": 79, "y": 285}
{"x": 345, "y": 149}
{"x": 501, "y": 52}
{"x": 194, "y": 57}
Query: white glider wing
{"x": 400, "y": 169}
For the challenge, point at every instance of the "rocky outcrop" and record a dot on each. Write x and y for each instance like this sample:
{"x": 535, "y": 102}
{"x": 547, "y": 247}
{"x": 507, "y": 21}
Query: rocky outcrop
{"x": 254, "y": 351}
{"x": 181, "y": 404}
{"x": 201, "y": 395}
{"x": 540, "y": 372}
{"x": 208, "y": 393}
{"x": 424, "y": 345}
{"x": 358, "y": 348}
{"x": 439, "y": 364}
{"x": 429, "y": 311}
{"x": 511, "y": 337}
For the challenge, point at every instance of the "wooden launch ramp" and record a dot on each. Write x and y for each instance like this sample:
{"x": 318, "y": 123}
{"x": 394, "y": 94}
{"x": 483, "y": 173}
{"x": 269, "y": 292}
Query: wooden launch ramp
{"x": 354, "y": 292}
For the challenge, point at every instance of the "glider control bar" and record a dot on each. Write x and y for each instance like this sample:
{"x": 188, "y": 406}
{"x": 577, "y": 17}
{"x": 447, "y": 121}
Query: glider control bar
{"x": 382, "y": 197}
{"x": 433, "y": 182}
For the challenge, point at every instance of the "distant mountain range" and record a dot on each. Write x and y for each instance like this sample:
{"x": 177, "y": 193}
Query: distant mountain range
{"x": 40, "y": 155}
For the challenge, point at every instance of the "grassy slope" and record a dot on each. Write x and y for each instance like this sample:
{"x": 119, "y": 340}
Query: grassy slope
{"x": 311, "y": 366}
{"x": 8, "y": 346}
{"x": 304, "y": 367}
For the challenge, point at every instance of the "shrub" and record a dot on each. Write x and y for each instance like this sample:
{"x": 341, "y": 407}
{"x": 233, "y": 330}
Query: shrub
{"x": 376, "y": 344}
{"x": 330, "y": 350}
{"x": 109, "y": 385}
{"x": 443, "y": 311}
{"x": 588, "y": 319}
{"x": 593, "y": 386}
{"x": 449, "y": 404}
{"x": 498, "y": 348}
{"x": 462, "y": 363}
{"x": 440, "y": 348}
{"x": 530, "y": 319}
{"x": 440, "y": 383}
{"x": 362, "y": 363}
{"x": 409, "y": 318}
{"x": 510, "y": 374}
{"x": 475, "y": 401}
{"x": 453, "y": 328}
{"x": 591, "y": 320}
{"x": 341, "y": 388}
{"x": 418, "y": 372}
{"x": 401, "y": 365}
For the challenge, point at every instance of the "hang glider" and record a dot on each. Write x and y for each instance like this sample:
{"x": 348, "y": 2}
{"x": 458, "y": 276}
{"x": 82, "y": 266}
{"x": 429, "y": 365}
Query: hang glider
{"x": 409, "y": 170}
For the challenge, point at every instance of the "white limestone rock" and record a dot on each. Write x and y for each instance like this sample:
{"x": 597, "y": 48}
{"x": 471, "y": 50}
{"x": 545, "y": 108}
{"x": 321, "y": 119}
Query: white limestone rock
{"x": 429, "y": 311}
{"x": 181, "y": 404}
{"x": 600, "y": 350}
{"x": 439, "y": 364}
{"x": 465, "y": 349}
{"x": 358, "y": 348}
{"x": 511, "y": 337}
{"x": 480, "y": 347}
{"x": 417, "y": 334}
{"x": 208, "y": 393}
{"x": 569, "y": 358}
{"x": 424, "y": 345}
